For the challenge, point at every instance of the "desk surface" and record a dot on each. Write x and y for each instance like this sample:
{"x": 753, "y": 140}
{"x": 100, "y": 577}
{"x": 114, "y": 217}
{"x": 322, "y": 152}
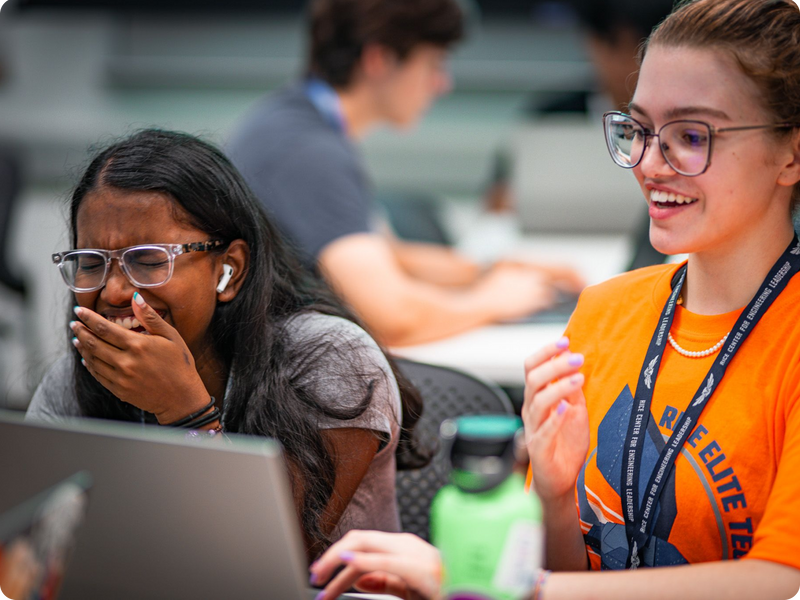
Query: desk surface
{"x": 498, "y": 352}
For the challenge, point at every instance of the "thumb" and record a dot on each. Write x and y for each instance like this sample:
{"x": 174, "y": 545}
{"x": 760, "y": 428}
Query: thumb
{"x": 149, "y": 318}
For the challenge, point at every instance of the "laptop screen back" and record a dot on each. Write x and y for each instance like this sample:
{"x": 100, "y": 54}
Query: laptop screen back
{"x": 168, "y": 518}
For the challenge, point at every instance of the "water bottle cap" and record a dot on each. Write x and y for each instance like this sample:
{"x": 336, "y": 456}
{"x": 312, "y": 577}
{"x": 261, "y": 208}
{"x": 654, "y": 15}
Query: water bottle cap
{"x": 481, "y": 449}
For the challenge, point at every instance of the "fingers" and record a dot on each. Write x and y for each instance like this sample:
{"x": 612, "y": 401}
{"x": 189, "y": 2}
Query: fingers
{"x": 102, "y": 372}
{"x": 92, "y": 346}
{"x": 543, "y": 437}
{"x": 383, "y": 573}
{"x": 102, "y": 328}
{"x": 399, "y": 562}
{"x": 548, "y": 398}
{"x": 150, "y": 319}
{"x": 546, "y": 353}
{"x": 537, "y": 378}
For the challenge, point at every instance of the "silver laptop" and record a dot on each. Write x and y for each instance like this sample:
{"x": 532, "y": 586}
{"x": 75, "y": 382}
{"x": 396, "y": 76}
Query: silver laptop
{"x": 565, "y": 181}
{"x": 169, "y": 518}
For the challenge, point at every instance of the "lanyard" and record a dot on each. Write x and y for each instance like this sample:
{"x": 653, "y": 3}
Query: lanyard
{"x": 326, "y": 101}
{"x": 638, "y": 521}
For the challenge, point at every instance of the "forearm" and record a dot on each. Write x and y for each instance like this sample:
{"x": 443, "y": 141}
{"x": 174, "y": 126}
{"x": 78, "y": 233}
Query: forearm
{"x": 435, "y": 264}
{"x": 732, "y": 580}
{"x": 422, "y": 313}
{"x": 564, "y": 546}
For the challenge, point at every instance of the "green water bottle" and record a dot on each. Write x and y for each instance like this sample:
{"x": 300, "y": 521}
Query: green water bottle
{"x": 486, "y": 526}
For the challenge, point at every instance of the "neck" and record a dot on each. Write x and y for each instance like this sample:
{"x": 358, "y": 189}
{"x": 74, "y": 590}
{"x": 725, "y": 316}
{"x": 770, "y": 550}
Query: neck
{"x": 213, "y": 373}
{"x": 722, "y": 280}
{"x": 358, "y": 108}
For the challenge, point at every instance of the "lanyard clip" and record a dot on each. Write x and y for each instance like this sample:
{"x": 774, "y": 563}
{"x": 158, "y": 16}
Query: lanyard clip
{"x": 635, "y": 556}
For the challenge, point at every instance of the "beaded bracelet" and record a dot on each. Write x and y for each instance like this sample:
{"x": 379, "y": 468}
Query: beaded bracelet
{"x": 188, "y": 419}
{"x": 194, "y": 434}
{"x": 540, "y": 581}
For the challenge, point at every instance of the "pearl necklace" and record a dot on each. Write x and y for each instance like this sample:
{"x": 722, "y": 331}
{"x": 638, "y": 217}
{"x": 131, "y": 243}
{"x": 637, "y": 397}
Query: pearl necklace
{"x": 699, "y": 354}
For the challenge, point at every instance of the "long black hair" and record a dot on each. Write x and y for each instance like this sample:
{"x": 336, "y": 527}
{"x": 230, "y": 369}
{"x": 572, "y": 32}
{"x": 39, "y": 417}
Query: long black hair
{"x": 270, "y": 393}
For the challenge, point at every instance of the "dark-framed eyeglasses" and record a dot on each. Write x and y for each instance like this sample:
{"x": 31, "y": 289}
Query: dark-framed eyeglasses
{"x": 145, "y": 265}
{"x": 685, "y": 144}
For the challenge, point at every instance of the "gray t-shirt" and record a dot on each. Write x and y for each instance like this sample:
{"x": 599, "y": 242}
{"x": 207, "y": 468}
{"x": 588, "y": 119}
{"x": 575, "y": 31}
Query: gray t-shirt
{"x": 306, "y": 173}
{"x": 351, "y": 354}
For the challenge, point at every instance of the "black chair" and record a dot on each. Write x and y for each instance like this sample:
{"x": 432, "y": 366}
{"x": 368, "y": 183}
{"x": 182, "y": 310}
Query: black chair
{"x": 446, "y": 393}
{"x": 10, "y": 183}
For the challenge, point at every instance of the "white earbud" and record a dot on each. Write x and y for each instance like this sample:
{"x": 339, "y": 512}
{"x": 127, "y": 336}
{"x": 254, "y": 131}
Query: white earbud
{"x": 227, "y": 273}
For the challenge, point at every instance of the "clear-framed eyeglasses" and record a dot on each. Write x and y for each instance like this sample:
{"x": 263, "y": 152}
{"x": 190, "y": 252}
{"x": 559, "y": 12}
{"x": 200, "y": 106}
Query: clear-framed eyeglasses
{"x": 685, "y": 144}
{"x": 145, "y": 266}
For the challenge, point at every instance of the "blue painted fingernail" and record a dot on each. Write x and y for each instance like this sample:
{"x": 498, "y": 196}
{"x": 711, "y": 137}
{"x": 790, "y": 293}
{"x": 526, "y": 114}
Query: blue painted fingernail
{"x": 313, "y": 579}
{"x": 77, "y": 310}
{"x": 575, "y": 360}
{"x": 562, "y": 406}
{"x": 563, "y": 343}
{"x": 83, "y": 362}
{"x": 137, "y": 297}
{"x": 73, "y": 325}
{"x": 347, "y": 556}
{"x": 75, "y": 342}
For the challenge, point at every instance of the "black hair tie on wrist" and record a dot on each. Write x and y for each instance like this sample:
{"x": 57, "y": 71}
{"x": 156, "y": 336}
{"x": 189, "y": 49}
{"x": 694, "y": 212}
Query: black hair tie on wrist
{"x": 214, "y": 415}
{"x": 188, "y": 419}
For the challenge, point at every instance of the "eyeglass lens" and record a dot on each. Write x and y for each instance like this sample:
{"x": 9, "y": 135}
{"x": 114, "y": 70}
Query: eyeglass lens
{"x": 685, "y": 145}
{"x": 145, "y": 267}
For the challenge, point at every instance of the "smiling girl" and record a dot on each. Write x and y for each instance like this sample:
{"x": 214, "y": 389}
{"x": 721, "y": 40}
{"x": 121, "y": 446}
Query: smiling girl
{"x": 664, "y": 429}
{"x": 192, "y": 312}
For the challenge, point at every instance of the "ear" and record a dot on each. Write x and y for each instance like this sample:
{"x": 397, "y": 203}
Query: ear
{"x": 238, "y": 257}
{"x": 376, "y": 61}
{"x": 790, "y": 174}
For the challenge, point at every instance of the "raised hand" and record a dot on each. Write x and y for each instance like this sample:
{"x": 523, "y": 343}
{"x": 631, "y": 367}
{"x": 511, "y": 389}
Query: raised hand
{"x": 152, "y": 370}
{"x": 555, "y": 418}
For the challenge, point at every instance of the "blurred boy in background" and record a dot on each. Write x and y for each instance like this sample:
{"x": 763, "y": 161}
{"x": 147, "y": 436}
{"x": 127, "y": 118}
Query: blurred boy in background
{"x": 374, "y": 62}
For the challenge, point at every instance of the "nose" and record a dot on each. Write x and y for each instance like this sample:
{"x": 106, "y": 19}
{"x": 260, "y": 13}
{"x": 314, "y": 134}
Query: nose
{"x": 118, "y": 290}
{"x": 653, "y": 163}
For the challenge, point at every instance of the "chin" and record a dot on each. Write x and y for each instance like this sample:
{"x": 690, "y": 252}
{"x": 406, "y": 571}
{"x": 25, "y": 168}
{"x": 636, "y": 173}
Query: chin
{"x": 667, "y": 243}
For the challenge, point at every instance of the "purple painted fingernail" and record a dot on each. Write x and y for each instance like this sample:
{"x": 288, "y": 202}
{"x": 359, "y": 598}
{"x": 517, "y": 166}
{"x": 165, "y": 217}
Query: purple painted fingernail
{"x": 320, "y": 596}
{"x": 562, "y": 406}
{"x": 575, "y": 360}
{"x": 313, "y": 579}
{"x": 347, "y": 556}
{"x": 576, "y": 379}
{"x": 563, "y": 343}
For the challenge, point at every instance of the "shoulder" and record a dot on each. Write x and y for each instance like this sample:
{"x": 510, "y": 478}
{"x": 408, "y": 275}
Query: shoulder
{"x": 55, "y": 399}
{"x": 341, "y": 361}
{"x": 285, "y": 126}
{"x": 623, "y": 307}
{"x": 646, "y": 285}
{"x": 341, "y": 333}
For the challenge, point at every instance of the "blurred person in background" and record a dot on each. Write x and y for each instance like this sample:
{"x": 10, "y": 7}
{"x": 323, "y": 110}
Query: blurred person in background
{"x": 374, "y": 62}
{"x": 613, "y": 31}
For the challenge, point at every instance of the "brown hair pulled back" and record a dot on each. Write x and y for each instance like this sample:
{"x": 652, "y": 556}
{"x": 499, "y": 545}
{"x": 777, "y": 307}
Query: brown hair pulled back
{"x": 763, "y": 37}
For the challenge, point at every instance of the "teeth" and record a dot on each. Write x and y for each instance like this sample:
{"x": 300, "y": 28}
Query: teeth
{"x": 127, "y": 322}
{"x": 670, "y": 197}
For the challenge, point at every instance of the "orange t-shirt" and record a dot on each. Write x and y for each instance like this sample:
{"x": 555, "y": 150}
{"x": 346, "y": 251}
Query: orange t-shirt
{"x": 734, "y": 491}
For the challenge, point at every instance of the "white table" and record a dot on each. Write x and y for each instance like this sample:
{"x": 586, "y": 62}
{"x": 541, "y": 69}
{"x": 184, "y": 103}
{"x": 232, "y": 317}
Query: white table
{"x": 498, "y": 352}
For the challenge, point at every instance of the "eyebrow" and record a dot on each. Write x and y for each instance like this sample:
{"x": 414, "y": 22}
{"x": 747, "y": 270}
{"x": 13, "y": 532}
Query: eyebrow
{"x": 685, "y": 111}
